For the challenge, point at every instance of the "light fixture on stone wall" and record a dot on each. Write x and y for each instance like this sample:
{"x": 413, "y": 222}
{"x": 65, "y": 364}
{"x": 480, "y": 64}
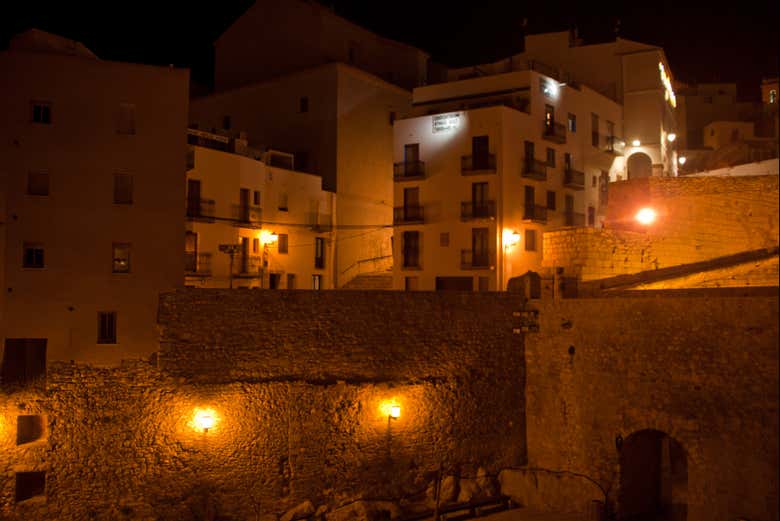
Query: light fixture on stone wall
{"x": 671, "y": 136}
{"x": 636, "y": 143}
{"x": 204, "y": 419}
{"x": 646, "y": 216}
{"x": 390, "y": 409}
{"x": 395, "y": 412}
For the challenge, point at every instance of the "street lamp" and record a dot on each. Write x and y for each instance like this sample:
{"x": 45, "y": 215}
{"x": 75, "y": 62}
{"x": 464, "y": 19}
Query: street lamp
{"x": 230, "y": 249}
{"x": 266, "y": 238}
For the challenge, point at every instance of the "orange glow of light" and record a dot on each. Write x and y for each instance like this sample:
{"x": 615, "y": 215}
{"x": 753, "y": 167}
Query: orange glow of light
{"x": 511, "y": 237}
{"x": 390, "y": 409}
{"x": 268, "y": 237}
{"x": 204, "y": 419}
{"x": 646, "y": 216}
{"x": 636, "y": 143}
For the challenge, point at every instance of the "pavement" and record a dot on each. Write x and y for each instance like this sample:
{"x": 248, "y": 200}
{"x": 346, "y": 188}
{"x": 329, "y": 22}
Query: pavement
{"x": 528, "y": 514}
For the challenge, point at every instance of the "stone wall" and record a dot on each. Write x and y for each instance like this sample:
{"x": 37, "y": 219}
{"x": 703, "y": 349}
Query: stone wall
{"x": 698, "y": 367}
{"x": 698, "y": 219}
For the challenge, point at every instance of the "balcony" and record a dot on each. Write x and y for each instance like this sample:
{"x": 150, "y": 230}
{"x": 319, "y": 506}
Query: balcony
{"x": 247, "y": 216}
{"x": 574, "y": 219}
{"x": 574, "y": 179}
{"x": 248, "y": 266}
{"x": 477, "y": 260}
{"x": 614, "y": 145}
{"x": 200, "y": 210}
{"x": 555, "y": 132}
{"x": 473, "y": 165}
{"x": 408, "y": 170}
{"x": 319, "y": 222}
{"x": 535, "y": 169}
{"x": 197, "y": 264}
{"x": 535, "y": 213}
{"x": 470, "y": 210}
{"x": 408, "y": 215}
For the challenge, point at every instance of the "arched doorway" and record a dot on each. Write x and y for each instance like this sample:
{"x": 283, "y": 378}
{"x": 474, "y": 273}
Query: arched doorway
{"x": 653, "y": 478}
{"x": 639, "y": 165}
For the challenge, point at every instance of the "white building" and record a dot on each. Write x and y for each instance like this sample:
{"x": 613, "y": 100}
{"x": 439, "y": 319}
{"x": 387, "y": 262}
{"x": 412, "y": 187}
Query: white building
{"x": 252, "y": 221}
{"x": 486, "y": 166}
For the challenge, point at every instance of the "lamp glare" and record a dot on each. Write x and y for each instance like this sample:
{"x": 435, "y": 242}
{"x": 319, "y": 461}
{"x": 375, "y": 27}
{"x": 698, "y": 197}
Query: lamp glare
{"x": 646, "y": 216}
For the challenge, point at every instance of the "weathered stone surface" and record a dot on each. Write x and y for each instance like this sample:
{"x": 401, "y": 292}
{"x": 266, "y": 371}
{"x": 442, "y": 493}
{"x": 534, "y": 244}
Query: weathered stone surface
{"x": 297, "y": 512}
{"x": 467, "y": 490}
{"x": 365, "y": 511}
{"x": 549, "y": 491}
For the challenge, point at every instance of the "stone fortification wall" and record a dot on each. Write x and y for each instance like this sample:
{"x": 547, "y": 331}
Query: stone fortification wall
{"x": 698, "y": 219}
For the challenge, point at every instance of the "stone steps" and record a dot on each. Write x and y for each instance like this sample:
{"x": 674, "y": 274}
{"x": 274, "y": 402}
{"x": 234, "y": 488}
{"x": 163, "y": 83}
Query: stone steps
{"x": 370, "y": 281}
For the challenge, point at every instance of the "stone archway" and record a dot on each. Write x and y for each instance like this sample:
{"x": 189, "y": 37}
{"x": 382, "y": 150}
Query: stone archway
{"x": 653, "y": 478}
{"x": 639, "y": 165}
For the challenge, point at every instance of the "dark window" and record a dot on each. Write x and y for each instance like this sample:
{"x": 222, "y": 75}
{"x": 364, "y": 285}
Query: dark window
{"x": 392, "y": 117}
{"x": 594, "y": 181}
{"x": 255, "y": 245}
{"x": 29, "y": 428}
{"x": 550, "y": 200}
{"x": 572, "y": 123}
{"x": 291, "y": 281}
{"x": 123, "y": 189}
{"x": 121, "y": 256}
{"x": 29, "y": 485}
{"x": 37, "y": 183}
{"x": 480, "y": 150}
{"x": 256, "y": 198}
{"x": 529, "y": 150}
{"x": 551, "y": 157}
{"x": 226, "y": 122}
{"x": 24, "y": 360}
{"x": 33, "y": 255}
{"x": 567, "y": 161}
{"x": 591, "y": 216}
{"x": 319, "y": 252}
{"x": 530, "y": 240}
{"x": 411, "y": 249}
{"x": 483, "y": 283}
{"x": 41, "y": 112}
{"x": 411, "y": 153}
{"x": 106, "y": 327}
{"x": 274, "y": 280}
{"x": 594, "y": 129}
{"x": 282, "y": 243}
{"x": 316, "y": 282}
{"x": 283, "y": 202}
{"x": 303, "y": 104}
{"x": 444, "y": 239}
{"x": 411, "y": 283}
{"x": 126, "y": 120}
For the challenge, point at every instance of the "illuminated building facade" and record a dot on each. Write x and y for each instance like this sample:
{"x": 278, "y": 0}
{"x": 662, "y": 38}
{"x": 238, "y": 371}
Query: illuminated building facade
{"x": 251, "y": 206}
{"x": 486, "y": 165}
{"x": 91, "y": 195}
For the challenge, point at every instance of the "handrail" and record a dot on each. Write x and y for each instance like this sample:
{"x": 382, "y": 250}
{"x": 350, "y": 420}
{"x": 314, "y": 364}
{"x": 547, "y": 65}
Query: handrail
{"x": 361, "y": 261}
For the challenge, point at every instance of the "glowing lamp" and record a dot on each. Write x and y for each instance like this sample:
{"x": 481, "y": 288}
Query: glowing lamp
{"x": 204, "y": 420}
{"x": 267, "y": 237}
{"x": 671, "y": 137}
{"x": 682, "y": 160}
{"x": 395, "y": 412}
{"x": 645, "y": 216}
{"x": 636, "y": 143}
{"x": 511, "y": 237}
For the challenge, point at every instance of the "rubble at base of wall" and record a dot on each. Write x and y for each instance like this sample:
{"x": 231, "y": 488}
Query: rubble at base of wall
{"x": 550, "y": 491}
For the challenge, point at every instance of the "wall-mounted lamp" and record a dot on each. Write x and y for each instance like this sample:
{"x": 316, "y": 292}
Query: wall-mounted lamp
{"x": 682, "y": 160}
{"x": 204, "y": 419}
{"x": 646, "y": 216}
{"x": 671, "y": 137}
{"x": 268, "y": 237}
{"x": 511, "y": 237}
{"x": 636, "y": 143}
{"x": 395, "y": 412}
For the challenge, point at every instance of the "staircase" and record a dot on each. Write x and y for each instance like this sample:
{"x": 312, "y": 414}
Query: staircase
{"x": 380, "y": 280}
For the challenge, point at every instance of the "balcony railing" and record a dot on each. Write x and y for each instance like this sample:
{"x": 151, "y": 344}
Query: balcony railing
{"x": 574, "y": 179}
{"x": 249, "y": 266}
{"x": 200, "y": 209}
{"x": 408, "y": 215}
{"x": 197, "y": 264}
{"x": 614, "y": 145}
{"x": 555, "y": 132}
{"x": 476, "y": 260}
{"x": 477, "y": 210}
{"x": 574, "y": 219}
{"x": 408, "y": 170}
{"x": 535, "y": 213}
{"x": 535, "y": 169}
{"x": 484, "y": 164}
{"x": 319, "y": 222}
{"x": 247, "y": 216}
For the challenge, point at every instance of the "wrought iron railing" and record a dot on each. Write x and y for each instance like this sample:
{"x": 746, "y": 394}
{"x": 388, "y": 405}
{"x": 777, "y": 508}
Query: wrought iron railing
{"x": 555, "y": 132}
{"x": 408, "y": 170}
{"x": 535, "y": 169}
{"x": 476, "y": 259}
{"x": 248, "y": 216}
{"x": 483, "y": 163}
{"x": 197, "y": 263}
{"x": 200, "y": 209}
{"x": 408, "y": 214}
{"x": 477, "y": 210}
{"x": 574, "y": 219}
{"x": 574, "y": 179}
{"x": 535, "y": 213}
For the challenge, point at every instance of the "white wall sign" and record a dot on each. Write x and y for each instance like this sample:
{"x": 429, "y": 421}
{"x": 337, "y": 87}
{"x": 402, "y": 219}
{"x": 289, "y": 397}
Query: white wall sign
{"x": 446, "y": 122}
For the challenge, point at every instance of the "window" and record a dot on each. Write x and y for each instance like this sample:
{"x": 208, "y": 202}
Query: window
{"x": 126, "y": 120}
{"x": 291, "y": 281}
{"x": 444, "y": 239}
{"x": 41, "y": 112}
{"x": 274, "y": 280}
{"x": 530, "y": 240}
{"x": 567, "y": 161}
{"x": 283, "y": 202}
{"x": 123, "y": 189}
{"x": 29, "y": 428}
{"x": 550, "y": 200}
{"x": 282, "y": 243}
{"x": 106, "y": 327}
{"x": 551, "y": 157}
{"x": 30, "y": 485}
{"x": 319, "y": 252}
{"x": 303, "y": 104}
{"x": 594, "y": 129}
{"x": 610, "y": 130}
{"x": 591, "y": 216}
{"x": 33, "y": 255}
{"x": 594, "y": 181}
{"x": 226, "y": 122}
{"x": 572, "y": 122}
{"x": 121, "y": 263}
{"x": 483, "y": 283}
{"x": 549, "y": 116}
{"x": 411, "y": 283}
{"x": 256, "y": 198}
{"x": 773, "y": 96}
{"x": 316, "y": 282}
{"x": 24, "y": 360}
{"x": 255, "y": 245}
{"x": 411, "y": 249}
{"x": 37, "y": 183}
{"x": 392, "y": 117}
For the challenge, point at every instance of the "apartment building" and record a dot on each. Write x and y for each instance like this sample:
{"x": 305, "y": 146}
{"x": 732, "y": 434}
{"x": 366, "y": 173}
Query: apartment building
{"x": 337, "y": 121}
{"x": 486, "y": 165}
{"x": 634, "y": 74}
{"x": 93, "y": 157}
{"x": 252, "y": 220}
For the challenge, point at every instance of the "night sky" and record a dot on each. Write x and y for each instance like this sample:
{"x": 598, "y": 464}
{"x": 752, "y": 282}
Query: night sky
{"x": 706, "y": 42}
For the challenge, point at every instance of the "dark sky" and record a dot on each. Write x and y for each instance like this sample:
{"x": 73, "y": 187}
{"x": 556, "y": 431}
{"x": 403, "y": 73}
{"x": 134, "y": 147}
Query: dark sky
{"x": 703, "y": 42}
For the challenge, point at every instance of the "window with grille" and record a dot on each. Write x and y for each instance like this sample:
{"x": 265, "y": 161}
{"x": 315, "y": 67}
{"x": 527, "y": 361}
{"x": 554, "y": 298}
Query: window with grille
{"x": 530, "y": 240}
{"x": 41, "y": 112}
{"x": 121, "y": 257}
{"x": 319, "y": 252}
{"x": 33, "y": 255}
{"x": 282, "y": 243}
{"x": 106, "y": 327}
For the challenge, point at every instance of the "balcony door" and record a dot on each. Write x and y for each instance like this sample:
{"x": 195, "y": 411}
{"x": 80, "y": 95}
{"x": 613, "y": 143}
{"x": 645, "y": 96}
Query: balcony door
{"x": 244, "y": 254}
{"x": 479, "y": 247}
{"x": 529, "y": 152}
{"x": 411, "y": 203}
{"x": 193, "y": 197}
{"x": 479, "y": 197}
{"x": 411, "y": 153}
{"x": 480, "y": 151}
{"x": 243, "y": 201}
{"x": 549, "y": 117}
{"x": 567, "y": 161}
{"x": 191, "y": 251}
{"x": 529, "y": 196}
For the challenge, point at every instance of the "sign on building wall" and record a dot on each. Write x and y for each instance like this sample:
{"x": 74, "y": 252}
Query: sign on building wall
{"x": 446, "y": 122}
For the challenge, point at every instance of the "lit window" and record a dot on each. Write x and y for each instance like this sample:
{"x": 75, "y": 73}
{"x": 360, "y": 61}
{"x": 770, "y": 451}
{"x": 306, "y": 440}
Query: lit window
{"x": 772, "y": 96}
{"x": 316, "y": 282}
{"x": 33, "y": 255}
{"x": 41, "y": 112}
{"x": 37, "y": 183}
{"x": 106, "y": 327}
{"x": 121, "y": 263}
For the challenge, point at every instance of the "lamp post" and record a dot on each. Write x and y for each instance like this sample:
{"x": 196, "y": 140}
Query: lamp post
{"x": 230, "y": 249}
{"x": 267, "y": 238}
